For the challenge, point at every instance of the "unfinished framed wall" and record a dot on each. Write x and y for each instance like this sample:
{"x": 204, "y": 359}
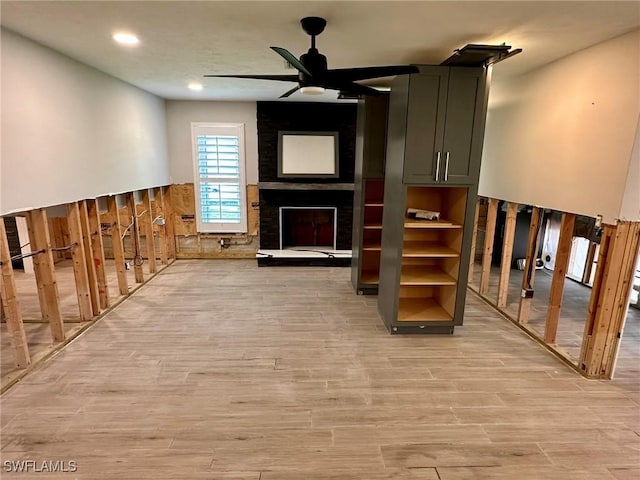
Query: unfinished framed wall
{"x": 189, "y": 243}
{"x": 87, "y": 257}
{"x": 547, "y": 291}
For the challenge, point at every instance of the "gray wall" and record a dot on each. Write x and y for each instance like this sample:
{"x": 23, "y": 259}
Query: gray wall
{"x": 180, "y": 114}
{"x": 71, "y": 132}
{"x": 562, "y": 136}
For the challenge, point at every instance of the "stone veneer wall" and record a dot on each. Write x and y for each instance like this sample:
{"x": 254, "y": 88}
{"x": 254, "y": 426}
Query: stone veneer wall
{"x": 317, "y": 117}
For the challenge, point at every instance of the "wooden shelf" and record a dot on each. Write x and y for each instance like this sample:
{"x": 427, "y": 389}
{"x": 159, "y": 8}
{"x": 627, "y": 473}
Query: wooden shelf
{"x": 421, "y": 310}
{"x": 443, "y": 224}
{"x": 370, "y": 277}
{"x": 425, "y": 275}
{"x": 372, "y": 227}
{"x": 415, "y": 249}
{"x": 374, "y": 204}
{"x": 371, "y": 248}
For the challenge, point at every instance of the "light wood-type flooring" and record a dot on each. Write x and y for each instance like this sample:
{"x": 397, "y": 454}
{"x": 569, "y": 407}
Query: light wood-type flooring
{"x": 223, "y": 370}
{"x": 37, "y": 332}
{"x": 573, "y": 315}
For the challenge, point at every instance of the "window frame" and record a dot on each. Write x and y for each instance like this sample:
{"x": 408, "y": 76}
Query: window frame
{"x": 219, "y": 129}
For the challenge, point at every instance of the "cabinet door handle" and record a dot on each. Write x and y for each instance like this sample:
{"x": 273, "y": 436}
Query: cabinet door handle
{"x": 446, "y": 166}
{"x": 438, "y": 167}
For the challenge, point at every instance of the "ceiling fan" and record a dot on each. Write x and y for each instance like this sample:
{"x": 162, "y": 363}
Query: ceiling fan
{"x": 314, "y": 76}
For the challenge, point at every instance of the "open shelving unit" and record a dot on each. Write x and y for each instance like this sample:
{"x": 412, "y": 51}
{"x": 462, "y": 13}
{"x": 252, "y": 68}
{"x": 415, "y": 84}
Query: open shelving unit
{"x": 420, "y": 283}
{"x": 431, "y": 254}
{"x": 372, "y": 231}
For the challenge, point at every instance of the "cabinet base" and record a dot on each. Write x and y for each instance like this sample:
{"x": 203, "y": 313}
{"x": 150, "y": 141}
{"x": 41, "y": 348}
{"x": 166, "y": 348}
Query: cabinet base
{"x": 421, "y": 330}
{"x": 367, "y": 290}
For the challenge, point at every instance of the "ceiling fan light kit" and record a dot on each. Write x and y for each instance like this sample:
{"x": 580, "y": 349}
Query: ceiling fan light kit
{"x": 312, "y": 90}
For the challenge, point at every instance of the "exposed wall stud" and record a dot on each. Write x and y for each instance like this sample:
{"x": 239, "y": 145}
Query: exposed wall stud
{"x": 559, "y": 272}
{"x": 169, "y": 222}
{"x": 474, "y": 241}
{"x": 609, "y": 298}
{"x": 588, "y": 264}
{"x": 533, "y": 244}
{"x": 10, "y": 304}
{"x": 97, "y": 248}
{"x": 92, "y": 278}
{"x": 117, "y": 245}
{"x": 147, "y": 222}
{"x": 489, "y": 235}
{"x": 158, "y": 212}
{"x": 78, "y": 258}
{"x": 45, "y": 273}
{"x": 507, "y": 253}
{"x": 135, "y": 238}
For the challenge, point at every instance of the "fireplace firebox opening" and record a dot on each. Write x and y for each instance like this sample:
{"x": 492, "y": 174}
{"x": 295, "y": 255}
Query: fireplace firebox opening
{"x": 308, "y": 227}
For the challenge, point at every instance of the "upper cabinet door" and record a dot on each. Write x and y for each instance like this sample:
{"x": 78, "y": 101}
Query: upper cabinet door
{"x": 425, "y": 125}
{"x": 464, "y": 128}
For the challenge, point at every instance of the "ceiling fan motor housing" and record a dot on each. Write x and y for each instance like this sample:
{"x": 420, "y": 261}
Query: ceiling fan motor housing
{"x": 315, "y": 62}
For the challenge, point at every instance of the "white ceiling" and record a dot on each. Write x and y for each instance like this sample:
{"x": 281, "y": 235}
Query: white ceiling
{"x": 183, "y": 40}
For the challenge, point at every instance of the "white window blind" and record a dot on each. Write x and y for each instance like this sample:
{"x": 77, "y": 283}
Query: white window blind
{"x": 220, "y": 187}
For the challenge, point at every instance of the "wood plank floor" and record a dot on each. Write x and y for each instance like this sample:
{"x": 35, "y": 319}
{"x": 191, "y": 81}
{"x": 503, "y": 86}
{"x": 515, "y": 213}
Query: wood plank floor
{"x": 573, "y": 315}
{"x": 223, "y": 370}
{"x": 37, "y": 332}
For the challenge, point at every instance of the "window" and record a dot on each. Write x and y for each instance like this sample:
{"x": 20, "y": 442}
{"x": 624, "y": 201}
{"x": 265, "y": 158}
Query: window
{"x": 220, "y": 189}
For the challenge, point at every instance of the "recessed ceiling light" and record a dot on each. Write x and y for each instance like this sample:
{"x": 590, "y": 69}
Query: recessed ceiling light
{"x": 195, "y": 86}
{"x": 126, "y": 38}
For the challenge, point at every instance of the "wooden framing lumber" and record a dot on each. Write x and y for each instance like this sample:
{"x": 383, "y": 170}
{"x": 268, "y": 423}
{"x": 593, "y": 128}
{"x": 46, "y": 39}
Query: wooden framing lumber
{"x": 147, "y": 223}
{"x": 10, "y": 304}
{"x": 474, "y": 241}
{"x": 609, "y": 298}
{"x": 158, "y": 211}
{"x": 588, "y": 264}
{"x": 492, "y": 214}
{"x": 559, "y": 273}
{"x": 507, "y": 253}
{"x": 169, "y": 222}
{"x": 97, "y": 248}
{"x": 57, "y": 228}
{"x": 117, "y": 245}
{"x": 45, "y": 273}
{"x": 92, "y": 278}
{"x": 79, "y": 260}
{"x": 135, "y": 238}
{"x": 533, "y": 244}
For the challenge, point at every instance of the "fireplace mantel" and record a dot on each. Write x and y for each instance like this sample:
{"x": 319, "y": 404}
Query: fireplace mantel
{"x": 304, "y": 186}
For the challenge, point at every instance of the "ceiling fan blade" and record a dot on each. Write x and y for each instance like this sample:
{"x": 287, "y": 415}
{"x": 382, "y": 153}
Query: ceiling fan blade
{"x": 289, "y": 92}
{"x": 282, "y": 78}
{"x": 365, "y": 73}
{"x": 351, "y": 87}
{"x": 291, "y": 58}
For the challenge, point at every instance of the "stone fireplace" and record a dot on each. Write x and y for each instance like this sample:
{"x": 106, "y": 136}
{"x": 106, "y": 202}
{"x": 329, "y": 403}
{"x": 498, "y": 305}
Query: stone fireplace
{"x": 307, "y": 216}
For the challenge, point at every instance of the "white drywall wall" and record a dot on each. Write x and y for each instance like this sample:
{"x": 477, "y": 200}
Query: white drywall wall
{"x": 71, "y": 132}
{"x": 561, "y": 137}
{"x": 631, "y": 200}
{"x": 180, "y": 114}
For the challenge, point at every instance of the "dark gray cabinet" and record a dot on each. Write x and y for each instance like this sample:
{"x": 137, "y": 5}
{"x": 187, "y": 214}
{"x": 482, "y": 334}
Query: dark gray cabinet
{"x": 434, "y": 146}
{"x": 444, "y": 106}
{"x": 368, "y": 193}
